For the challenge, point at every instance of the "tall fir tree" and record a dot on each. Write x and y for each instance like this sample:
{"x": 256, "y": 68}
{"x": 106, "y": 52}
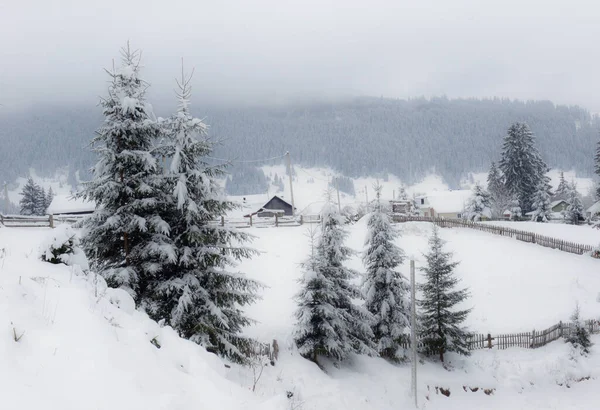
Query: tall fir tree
{"x": 328, "y": 322}
{"x": 29, "y": 204}
{"x": 562, "y": 191}
{"x": 478, "y": 204}
{"x": 119, "y": 236}
{"x": 387, "y": 291}
{"x": 521, "y": 165}
{"x": 574, "y": 211}
{"x": 542, "y": 207}
{"x": 199, "y": 295}
{"x": 439, "y": 319}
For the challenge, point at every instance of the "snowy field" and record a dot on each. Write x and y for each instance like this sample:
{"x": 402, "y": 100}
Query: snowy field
{"x": 80, "y": 339}
{"x": 584, "y": 234}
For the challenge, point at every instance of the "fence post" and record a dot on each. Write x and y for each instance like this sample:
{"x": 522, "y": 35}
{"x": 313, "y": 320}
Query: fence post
{"x": 276, "y": 220}
{"x": 533, "y": 339}
{"x": 560, "y": 328}
{"x": 2, "y": 219}
{"x": 222, "y": 220}
{"x": 250, "y": 219}
{"x": 301, "y": 219}
{"x": 51, "y": 220}
{"x": 489, "y": 341}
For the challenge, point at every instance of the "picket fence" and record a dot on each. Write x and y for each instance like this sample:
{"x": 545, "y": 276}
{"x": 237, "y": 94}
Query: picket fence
{"x": 528, "y": 340}
{"x": 524, "y": 236}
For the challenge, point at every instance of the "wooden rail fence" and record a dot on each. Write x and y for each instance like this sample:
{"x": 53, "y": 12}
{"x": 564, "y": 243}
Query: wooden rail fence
{"x": 31, "y": 221}
{"x": 527, "y": 340}
{"x": 524, "y": 236}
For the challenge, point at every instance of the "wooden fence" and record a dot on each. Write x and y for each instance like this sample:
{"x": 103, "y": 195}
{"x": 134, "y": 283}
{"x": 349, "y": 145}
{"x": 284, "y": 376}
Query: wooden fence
{"x": 524, "y": 236}
{"x": 263, "y": 222}
{"x": 527, "y": 340}
{"x": 31, "y": 221}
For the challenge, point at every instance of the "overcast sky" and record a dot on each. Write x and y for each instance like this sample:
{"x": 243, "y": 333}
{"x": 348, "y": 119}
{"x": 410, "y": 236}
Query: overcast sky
{"x": 275, "y": 50}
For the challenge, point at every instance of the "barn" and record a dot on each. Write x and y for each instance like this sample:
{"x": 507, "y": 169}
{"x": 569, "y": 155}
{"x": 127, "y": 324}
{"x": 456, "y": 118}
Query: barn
{"x": 275, "y": 206}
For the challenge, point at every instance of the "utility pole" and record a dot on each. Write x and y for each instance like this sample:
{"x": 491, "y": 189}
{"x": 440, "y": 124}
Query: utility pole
{"x": 337, "y": 187}
{"x": 413, "y": 332}
{"x": 289, "y": 163}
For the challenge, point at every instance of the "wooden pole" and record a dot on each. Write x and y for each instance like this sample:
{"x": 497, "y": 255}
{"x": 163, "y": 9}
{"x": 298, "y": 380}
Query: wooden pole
{"x": 289, "y": 164}
{"x": 51, "y": 220}
{"x": 413, "y": 331}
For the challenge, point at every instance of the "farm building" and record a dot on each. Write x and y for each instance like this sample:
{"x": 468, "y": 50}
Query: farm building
{"x": 275, "y": 206}
{"x": 559, "y": 206}
{"x": 593, "y": 211}
{"x": 443, "y": 204}
{"x": 401, "y": 206}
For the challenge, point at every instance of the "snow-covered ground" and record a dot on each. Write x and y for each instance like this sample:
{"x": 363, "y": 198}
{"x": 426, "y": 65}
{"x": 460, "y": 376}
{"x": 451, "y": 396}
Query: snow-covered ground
{"x": 584, "y": 234}
{"x": 515, "y": 287}
{"x": 80, "y": 341}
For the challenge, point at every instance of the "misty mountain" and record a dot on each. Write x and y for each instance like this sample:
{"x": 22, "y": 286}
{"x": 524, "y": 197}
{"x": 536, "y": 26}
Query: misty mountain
{"x": 362, "y": 136}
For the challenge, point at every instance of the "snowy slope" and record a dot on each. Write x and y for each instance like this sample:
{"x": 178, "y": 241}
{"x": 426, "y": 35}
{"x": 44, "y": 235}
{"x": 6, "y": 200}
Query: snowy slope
{"x": 584, "y": 234}
{"x": 78, "y": 350}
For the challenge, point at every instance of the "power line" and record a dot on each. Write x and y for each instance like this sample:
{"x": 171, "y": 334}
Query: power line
{"x": 307, "y": 173}
{"x": 246, "y": 161}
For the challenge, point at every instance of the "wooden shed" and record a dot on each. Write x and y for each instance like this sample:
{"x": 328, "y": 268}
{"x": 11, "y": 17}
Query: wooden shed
{"x": 275, "y": 206}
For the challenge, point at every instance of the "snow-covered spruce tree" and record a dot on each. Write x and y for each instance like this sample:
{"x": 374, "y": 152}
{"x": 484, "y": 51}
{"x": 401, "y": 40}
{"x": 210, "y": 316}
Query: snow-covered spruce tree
{"x": 542, "y": 209}
{"x": 29, "y": 201}
{"x": 49, "y": 198}
{"x": 439, "y": 320}
{"x": 125, "y": 237}
{"x": 41, "y": 201}
{"x": 521, "y": 165}
{"x": 500, "y": 199}
{"x": 387, "y": 291}
{"x": 574, "y": 211}
{"x": 328, "y": 322}
{"x": 402, "y": 194}
{"x": 562, "y": 191}
{"x": 478, "y": 203}
{"x": 199, "y": 294}
{"x": 579, "y": 336}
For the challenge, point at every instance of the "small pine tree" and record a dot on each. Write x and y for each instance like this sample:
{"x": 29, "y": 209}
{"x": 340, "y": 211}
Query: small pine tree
{"x": 440, "y": 321}
{"x": 478, "y": 204}
{"x": 562, "y": 191}
{"x": 579, "y": 336}
{"x": 386, "y": 290}
{"x": 328, "y": 322}
{"x": 29, "y": 200}
{"x": 515, "y": 210}
{"x": 541, "y": 204}
{"x": 402, "y": 194}
{"x": 574, "y": 211}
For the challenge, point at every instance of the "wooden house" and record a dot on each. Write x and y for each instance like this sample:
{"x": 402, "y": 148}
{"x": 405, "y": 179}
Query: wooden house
{"x": 401, "y": 206}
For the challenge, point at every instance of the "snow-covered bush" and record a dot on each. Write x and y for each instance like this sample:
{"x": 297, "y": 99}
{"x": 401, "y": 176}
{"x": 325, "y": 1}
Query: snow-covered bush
{"x": 62, "y": 246}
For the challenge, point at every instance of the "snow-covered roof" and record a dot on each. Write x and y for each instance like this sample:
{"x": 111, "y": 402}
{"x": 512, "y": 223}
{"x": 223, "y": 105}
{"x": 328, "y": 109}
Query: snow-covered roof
{"x": 594, "y": 209}
{"x": 64, "y": 204}
{"x": 447, "y": 201}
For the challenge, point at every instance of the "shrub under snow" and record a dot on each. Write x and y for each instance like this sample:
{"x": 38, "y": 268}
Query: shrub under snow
{"x": 62, "y": 246}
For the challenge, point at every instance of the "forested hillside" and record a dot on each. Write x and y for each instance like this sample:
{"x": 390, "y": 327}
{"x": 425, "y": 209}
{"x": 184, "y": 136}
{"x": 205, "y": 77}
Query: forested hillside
{"x": 362, "y": 136}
